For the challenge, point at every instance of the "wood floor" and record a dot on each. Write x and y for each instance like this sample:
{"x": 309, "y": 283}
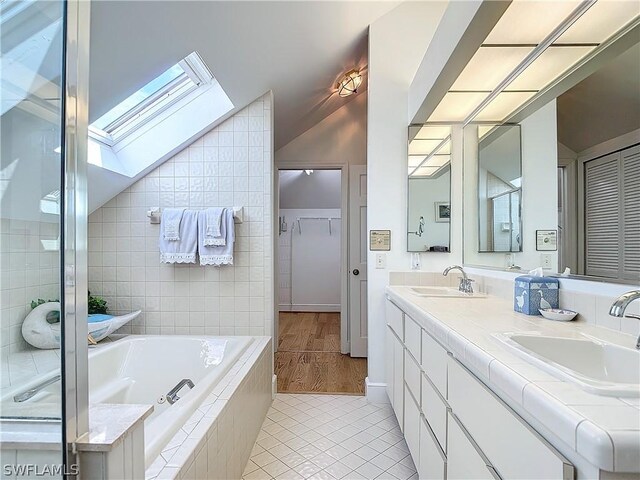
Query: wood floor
{"x": 309, "y": 359}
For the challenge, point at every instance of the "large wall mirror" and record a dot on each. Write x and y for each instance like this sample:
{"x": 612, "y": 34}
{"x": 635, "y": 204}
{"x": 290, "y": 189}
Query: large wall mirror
{"x": 429, "y": 189}
{"x": 560, "y": 186}
{"x": 499, "y": 189}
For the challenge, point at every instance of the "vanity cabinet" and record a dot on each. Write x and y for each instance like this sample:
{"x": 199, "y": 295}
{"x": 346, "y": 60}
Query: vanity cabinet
{"x": 455, "y": 426}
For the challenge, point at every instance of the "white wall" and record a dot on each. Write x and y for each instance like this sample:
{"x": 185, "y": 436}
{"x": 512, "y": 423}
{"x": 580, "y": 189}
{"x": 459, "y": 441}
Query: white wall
{"x": 320, "y": 189}
{"x": 229, "y": 166}
{"x": 309, "y": 262}
{"x": 397, "y": 43}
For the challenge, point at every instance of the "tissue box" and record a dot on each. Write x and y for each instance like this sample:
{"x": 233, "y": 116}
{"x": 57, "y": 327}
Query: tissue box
{"x": 533, "y": 293}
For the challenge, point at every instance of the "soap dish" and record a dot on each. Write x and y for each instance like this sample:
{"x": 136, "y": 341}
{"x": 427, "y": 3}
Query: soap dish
{"x": 558, "y": 314}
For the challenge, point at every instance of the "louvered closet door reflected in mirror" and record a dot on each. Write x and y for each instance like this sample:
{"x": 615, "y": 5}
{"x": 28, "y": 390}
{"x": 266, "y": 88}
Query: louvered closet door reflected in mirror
{"x": 612, "y": 215}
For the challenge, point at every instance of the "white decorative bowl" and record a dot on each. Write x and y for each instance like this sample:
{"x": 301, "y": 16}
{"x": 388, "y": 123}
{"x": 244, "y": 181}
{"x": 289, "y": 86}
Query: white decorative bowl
{"x": 558, "y": 314}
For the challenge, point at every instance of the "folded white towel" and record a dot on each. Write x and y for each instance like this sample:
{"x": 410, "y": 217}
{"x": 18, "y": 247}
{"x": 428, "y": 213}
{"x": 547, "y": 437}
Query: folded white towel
{"x": 183, "y": 250}
{"x": 212, "y": 230}
{"x": 170, "y": 222}
{"x": 219, "y": 254}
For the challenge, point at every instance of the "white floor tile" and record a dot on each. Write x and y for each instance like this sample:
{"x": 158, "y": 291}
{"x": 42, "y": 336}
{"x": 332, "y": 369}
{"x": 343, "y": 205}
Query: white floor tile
{"x": 327, "y": 437}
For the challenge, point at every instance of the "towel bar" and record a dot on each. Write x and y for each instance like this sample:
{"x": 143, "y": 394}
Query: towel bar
{"x": 155, "y": 214}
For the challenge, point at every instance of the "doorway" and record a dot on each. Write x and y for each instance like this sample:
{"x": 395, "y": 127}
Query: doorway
{"x": 312, "y": 328}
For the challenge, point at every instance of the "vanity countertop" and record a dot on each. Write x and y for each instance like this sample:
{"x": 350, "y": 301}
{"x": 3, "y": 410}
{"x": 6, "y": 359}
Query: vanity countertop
{"x": 604, "y": 430}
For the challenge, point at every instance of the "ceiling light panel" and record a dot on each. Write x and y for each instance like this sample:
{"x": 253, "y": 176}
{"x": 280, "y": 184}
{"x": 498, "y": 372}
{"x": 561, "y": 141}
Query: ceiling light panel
{"x": 601, "y": 21}
{"x": 438, "y": 161}
{"x": 433, "y": 131}
{"x": 489, "y": 66}
{"x": 456, "y": 106}
{"x": 424, "y": 171}
{"x": 423, "y": 147}
{"x": 548, "y": 66}
{"x": 503, "y": 105}
{"x": 529, "y": 22}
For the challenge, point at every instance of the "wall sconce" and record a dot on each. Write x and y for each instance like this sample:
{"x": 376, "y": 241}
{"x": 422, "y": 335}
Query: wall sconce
{"x": 349, "y": 83}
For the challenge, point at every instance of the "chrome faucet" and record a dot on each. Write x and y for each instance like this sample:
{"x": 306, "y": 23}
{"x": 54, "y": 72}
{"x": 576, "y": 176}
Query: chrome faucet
{"x": 27, "y": 394}
{"x": 172, "y": 396}
{"x": 620, "y": 305}
{"x": 465, "y": 282}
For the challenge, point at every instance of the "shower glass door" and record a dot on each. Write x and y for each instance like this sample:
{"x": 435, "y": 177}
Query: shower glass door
{"x": 34, "y": 147}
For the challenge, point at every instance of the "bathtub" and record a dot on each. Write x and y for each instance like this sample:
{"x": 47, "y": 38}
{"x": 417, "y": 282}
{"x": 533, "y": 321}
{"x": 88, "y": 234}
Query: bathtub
{"x": 141, "y": 369}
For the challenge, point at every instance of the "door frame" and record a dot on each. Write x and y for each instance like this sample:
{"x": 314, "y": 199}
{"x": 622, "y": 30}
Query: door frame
{"x": 345, "y": 340}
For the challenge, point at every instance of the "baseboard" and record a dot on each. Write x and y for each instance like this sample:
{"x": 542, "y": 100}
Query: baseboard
{"x": 375, "y": 392}
{"x": 299, "y": 307}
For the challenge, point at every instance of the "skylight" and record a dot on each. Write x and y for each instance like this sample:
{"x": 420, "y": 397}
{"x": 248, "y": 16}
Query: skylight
{"x": 157, "y": 95}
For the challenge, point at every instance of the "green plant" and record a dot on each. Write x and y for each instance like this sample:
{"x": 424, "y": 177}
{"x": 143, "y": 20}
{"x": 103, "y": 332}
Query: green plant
{"x": 97, "y": 305}
{"x": 94, "y": 304}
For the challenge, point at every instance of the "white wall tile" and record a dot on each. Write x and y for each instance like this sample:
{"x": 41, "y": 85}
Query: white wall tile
{"x": 218, "y": 169}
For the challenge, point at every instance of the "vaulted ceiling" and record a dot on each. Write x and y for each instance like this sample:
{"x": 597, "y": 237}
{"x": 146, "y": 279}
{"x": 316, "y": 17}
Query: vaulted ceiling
{"x": 296, "y": 49}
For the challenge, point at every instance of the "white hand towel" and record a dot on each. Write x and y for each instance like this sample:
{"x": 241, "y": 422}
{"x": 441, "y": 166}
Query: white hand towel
{"x": 219, "y": 254}
{"x": 212, "y": 228}
{"x": 183, "y": 250}
{"x": 170, "y": 223}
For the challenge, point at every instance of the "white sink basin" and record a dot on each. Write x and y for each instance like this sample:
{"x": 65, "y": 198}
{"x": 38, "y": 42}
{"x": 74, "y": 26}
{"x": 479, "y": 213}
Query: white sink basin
{"x": 597, "y": 367}
{"x": 443, "y": 292}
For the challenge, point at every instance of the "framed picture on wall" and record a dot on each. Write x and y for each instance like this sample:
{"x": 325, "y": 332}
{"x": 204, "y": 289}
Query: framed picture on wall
{"x": 443, "y": 211}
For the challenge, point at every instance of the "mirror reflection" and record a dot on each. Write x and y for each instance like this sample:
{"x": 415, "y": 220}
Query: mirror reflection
{"x": 499, "y": 189}
{"x": 429, "y": 189}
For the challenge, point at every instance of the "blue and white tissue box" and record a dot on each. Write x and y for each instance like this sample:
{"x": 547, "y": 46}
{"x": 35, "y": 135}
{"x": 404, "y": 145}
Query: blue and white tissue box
{"x": 533, "y": 293}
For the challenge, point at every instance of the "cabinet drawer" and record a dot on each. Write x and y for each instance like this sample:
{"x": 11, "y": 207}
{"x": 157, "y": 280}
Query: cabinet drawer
{"x": 463, "y": 460}
{"x": 434, "y": 363}
{"x": 412, "y": 375}
{"x": 514, "y": 449}
{"x": 412, "y": 333}
{"x": 432, "y": 460}
{"x": 394, "y": 319}
{"x": 412, "y": 426}
{"x": 434, "y": 410}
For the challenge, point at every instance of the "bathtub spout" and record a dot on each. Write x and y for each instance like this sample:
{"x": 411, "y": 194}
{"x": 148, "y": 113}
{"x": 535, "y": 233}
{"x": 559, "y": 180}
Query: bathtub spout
{"x": 172, "y": 396}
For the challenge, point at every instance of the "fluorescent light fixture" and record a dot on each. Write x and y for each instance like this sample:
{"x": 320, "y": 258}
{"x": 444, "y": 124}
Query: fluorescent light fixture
{"x": 534, "y": 43}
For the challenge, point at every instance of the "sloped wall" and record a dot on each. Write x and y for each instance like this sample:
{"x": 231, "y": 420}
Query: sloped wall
{"x": 229, "y": 166}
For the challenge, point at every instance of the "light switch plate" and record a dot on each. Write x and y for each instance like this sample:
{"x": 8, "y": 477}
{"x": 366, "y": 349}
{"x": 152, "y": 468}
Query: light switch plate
{"x": 546, "y": 260}
{"x": 381, "y": 260}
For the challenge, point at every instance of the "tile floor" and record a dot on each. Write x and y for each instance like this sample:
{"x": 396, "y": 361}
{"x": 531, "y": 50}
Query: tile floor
{"x": 329, "y": 437}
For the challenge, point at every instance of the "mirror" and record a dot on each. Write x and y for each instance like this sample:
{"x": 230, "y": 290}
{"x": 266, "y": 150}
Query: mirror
{"x": 499, "y": 189}
{"x": 429, "y": 189}
{"x": 562, "y": 188}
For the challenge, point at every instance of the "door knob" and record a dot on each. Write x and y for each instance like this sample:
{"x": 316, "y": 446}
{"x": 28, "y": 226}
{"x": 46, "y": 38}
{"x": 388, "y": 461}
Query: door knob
{"x": 356, "y": 272}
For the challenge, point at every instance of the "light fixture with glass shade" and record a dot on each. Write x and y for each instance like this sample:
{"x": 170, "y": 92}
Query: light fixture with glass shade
{"x": 349, "y": 83}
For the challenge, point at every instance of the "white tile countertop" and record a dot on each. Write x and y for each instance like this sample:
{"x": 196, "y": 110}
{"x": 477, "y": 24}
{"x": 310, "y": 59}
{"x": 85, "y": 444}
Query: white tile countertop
{"x": 603, "y": 430}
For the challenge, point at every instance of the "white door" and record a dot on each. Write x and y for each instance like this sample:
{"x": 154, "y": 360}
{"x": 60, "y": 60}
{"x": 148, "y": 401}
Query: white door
{"x": 358, "y": 259}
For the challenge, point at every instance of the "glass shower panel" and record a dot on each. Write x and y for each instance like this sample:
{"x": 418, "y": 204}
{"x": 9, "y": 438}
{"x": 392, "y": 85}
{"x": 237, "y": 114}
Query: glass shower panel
{"x": 31, "y": 147}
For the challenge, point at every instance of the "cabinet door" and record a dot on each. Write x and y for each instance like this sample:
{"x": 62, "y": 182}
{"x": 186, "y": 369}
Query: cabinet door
{"x": 463, "y": 460}
{"x": 432, "y": 464}
{"x": 398, "y": 381}
{"x": 389, "y": 370}
{"x": 412, "y": 421}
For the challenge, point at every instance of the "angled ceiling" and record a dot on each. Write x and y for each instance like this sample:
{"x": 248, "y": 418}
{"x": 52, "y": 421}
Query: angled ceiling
{"x": 603, "y": 106}
{"x": 296, "y": 49}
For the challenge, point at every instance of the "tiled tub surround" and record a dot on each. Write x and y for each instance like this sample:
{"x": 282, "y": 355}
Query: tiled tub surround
{"x": 592, "y": 309}
{"x": 28, "y": 271}
{"x": 216, "y": 441}
{"x": 588, "y": 429}
{"x": 229, "y": 166}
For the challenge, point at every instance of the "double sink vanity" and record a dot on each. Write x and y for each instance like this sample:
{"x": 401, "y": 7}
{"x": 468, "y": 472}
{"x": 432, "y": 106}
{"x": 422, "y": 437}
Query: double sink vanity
{"x": 483, "y": 392}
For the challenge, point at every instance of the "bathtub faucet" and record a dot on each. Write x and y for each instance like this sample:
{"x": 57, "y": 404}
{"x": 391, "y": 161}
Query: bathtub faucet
{"x": 27, "y": 394}
{"x": 172, "y": 396}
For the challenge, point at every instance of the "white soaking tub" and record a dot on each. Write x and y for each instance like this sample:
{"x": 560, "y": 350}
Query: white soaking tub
{"x": 140, "y": 369}
{"x": 144, "y": 369}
